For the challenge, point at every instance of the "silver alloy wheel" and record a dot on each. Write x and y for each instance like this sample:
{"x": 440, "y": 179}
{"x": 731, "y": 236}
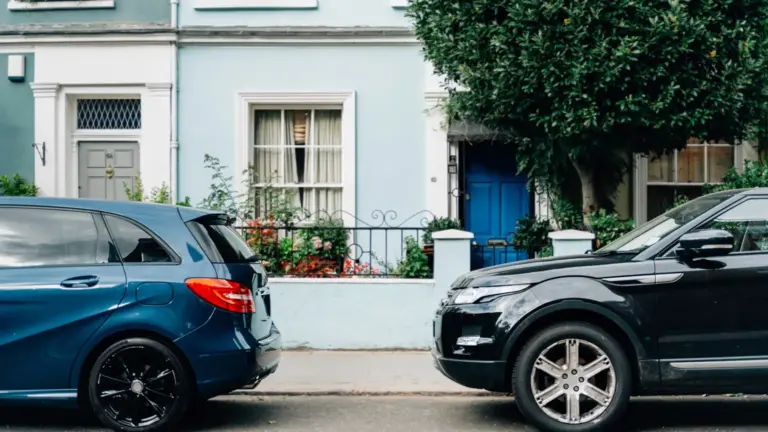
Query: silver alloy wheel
{"x": 573, "y": 381}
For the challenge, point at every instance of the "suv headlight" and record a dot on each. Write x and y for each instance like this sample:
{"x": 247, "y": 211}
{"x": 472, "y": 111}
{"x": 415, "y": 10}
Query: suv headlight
{"x": 471, "y": 295}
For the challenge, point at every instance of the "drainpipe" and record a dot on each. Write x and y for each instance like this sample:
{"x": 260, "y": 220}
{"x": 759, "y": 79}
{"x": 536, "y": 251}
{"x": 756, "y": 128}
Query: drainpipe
{"x": 174, "y": 103}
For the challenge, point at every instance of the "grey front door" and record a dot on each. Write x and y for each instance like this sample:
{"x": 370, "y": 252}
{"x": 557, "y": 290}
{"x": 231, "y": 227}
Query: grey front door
{"x": 107, "y": 168}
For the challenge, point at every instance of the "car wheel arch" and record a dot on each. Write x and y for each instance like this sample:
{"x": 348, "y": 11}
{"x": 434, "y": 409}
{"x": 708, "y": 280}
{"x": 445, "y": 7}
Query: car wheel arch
{"x": 580, "y": 311}
{"x": 81, "y": 379}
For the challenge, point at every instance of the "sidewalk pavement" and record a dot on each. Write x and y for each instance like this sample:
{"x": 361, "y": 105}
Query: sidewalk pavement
{"x": 358, "y": 372}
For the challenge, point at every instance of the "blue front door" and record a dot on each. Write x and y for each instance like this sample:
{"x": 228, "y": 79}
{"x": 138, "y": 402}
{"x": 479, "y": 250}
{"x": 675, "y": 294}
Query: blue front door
{"x": 496, "y": 197}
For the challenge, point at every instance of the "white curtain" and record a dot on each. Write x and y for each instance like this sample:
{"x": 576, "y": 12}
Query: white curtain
{"x": 268, "y": 152}
{"x": 291, "y": 162}
{"x": 325, "y": 161}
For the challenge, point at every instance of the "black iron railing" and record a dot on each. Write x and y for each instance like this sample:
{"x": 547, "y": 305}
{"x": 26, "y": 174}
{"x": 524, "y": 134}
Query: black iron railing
{"x": 325, "y": 246}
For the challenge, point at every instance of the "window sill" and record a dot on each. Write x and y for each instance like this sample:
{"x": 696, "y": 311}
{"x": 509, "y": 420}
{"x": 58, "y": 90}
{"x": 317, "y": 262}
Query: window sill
{"x": 400, "y": 4}
{"x": 254, "y": 4}
{"x": 18, "y": 5}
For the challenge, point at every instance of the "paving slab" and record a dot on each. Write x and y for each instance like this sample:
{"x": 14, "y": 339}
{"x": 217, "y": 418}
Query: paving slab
{"x": 359, "y": 372}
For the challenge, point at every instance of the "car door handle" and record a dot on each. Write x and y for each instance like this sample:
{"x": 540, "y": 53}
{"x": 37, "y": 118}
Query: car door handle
{"x": 80, "y": 282}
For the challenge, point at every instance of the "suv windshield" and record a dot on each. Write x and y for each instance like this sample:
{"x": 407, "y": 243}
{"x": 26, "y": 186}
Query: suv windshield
{"x": 652, "y": 232}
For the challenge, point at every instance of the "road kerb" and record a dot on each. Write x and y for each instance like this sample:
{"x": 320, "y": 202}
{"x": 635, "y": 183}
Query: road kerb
{"x": 366, "y": 393}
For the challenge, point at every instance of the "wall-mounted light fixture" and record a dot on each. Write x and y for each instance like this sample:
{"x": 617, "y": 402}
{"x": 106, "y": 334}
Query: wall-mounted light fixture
{"x": 16, "y": 67}
{"x": 452, "y": 165}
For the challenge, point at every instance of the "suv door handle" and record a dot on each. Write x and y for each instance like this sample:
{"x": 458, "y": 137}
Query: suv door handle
{"x": 80, "y": 282}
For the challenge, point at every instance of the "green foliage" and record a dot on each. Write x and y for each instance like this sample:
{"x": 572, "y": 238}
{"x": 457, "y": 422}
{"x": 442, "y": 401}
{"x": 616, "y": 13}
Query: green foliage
{"x": 531, "y": 235}
{"x": 16, "y": 186}
{"x": 414, "y": 264}
{"x": 158, "y": 195}
{"x": 592, "y": 81}
{"x": 755, "y": 174}
{"x": 609, "y": 227}
{"x": 221, "y": 193}
{"x": 438, "y": 224}
{"x": 567, "y": 215}
{"x": 327, "y": 238}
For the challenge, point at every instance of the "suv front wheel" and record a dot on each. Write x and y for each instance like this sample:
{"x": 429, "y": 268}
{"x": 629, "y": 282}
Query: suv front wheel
{"x": 572, "y": 377}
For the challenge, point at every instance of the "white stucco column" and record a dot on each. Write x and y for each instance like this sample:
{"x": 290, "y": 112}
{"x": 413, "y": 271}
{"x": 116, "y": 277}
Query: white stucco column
{"x": 46, "y": 172}
{"x": 436, "y": 142}
{"x": 437, "y": 156}
{"x": 542, "y": 205}
{"x": 155, "y": 146}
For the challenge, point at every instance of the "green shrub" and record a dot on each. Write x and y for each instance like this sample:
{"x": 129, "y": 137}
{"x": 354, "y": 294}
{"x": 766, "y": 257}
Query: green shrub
{"x": 16, "y": 186}
{"x": 438, "y": 224}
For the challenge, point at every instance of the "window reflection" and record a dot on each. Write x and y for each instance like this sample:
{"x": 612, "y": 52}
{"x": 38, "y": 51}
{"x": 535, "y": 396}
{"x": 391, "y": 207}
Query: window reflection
{"x": 36, "y": 237}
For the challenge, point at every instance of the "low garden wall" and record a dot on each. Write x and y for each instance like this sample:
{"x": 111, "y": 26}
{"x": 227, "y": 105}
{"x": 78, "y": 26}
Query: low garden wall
{"x": 335, "y": 313}
{"x": 352, "y": 312}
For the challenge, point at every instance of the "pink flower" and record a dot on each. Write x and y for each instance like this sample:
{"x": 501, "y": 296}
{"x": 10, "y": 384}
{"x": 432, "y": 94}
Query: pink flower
{"x": 327, "y": 246}
{"x": 317, "y": 243}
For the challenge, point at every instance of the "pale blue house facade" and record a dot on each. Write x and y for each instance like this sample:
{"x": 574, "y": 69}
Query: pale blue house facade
{"x": 349, "y": 65}
{"x": 352, "y": 74}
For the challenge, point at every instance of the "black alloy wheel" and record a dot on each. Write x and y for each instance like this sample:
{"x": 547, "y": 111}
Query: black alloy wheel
{"x": 139, "y": 384}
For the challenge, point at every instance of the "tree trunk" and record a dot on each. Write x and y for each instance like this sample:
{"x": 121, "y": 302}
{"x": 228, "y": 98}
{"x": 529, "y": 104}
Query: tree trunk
{"x": 589, "y": 199}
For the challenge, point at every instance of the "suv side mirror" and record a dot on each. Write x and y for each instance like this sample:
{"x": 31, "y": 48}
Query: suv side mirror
{"x": 706, "y": 243}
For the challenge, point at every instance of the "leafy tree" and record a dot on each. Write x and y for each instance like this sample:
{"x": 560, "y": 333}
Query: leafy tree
{"x": 586, "y": 83}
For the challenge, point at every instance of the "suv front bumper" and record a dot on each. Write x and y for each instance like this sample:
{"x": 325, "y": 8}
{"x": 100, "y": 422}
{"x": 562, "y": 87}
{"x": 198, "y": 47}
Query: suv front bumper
{"x": 478, "y": 374}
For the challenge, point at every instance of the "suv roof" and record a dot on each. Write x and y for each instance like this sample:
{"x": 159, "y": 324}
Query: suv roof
{"x": 118, "y": 207}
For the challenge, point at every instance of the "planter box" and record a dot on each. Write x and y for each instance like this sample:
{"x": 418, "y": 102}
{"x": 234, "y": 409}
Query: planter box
{"x": 429, "y": 251}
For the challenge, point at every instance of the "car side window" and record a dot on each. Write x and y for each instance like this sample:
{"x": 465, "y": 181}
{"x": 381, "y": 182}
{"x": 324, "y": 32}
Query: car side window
{"x": 32, "y": 237}
{"x": 747, "y": 223}
{"x": 134, "y": 243}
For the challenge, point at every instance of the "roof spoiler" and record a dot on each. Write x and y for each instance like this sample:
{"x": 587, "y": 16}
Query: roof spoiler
{"x": 189, "y": 214}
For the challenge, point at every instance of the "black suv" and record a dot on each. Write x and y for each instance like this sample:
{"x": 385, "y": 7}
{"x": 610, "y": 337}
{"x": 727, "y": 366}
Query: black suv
{"x": 677, "y": 306}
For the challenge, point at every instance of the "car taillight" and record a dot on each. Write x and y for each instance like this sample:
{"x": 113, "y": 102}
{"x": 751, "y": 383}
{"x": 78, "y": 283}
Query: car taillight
{"x": 224, "y": 294}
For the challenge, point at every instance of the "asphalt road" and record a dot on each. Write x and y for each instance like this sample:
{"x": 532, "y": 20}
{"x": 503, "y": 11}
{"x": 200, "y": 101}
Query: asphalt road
{"x": 411, "y": 413}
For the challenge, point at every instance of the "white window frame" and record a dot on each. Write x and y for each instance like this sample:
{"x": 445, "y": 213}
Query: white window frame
{"x": 400, "y": 4}
{"x": 19, "y": 5}
{"x": 641, "y": 183}
{"x": 249, "y": 102}
{"x": 675, "y": 183}
{"x": 254, "y": 4}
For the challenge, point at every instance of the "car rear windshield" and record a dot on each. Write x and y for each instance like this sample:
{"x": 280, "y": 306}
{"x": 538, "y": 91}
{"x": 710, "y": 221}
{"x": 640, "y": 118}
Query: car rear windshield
{"x": 220, "y": 242}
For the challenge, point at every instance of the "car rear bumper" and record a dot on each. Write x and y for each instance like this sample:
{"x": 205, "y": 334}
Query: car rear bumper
{"x": 479, "y": 374}
{"x": 227, "y": 362}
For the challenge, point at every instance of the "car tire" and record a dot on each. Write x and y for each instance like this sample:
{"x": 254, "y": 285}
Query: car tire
{"x": 139, "y": 385}
{"x": 551, "y": 403}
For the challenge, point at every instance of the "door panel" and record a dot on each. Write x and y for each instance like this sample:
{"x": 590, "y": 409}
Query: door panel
{"x": 496, "y": 198}
{"x": 48, "y": 323}
{"x": 107, "y": 168}
{"x": 712, "y": 327}
{"x": 44, "y": 321}
{"x": 714, "y": 312}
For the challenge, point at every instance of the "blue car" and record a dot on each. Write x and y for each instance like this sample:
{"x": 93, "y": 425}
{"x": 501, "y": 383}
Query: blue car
{"x": 135, "y": 311}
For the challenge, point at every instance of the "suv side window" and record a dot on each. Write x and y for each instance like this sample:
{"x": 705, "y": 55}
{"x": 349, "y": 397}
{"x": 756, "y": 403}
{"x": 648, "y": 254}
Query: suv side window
{"x": 747, "y": 222}
{"x": 134, "y": 243}
{"x": 31, "y": 237}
